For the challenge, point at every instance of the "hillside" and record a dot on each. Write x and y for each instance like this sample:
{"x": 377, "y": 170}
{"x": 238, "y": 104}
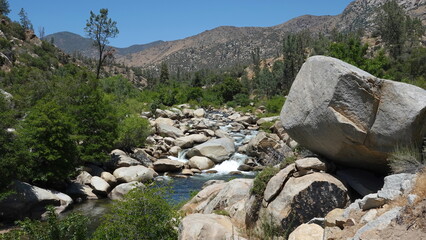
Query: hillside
{"x": 227, "y": 46}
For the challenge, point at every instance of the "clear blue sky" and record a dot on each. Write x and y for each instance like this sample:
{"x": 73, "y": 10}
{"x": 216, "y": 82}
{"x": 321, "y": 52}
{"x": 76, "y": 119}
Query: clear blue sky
{"x": 142, "y": 21}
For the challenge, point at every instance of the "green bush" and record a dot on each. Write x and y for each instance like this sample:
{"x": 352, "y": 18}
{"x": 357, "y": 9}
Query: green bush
{"x": 72, "y": 227}
{"x": 262, "y": 179}
{"x": 275, "y": 104}
{"x": 406, "y": 159}
{"x": 143, "y": 214}
{"x": 132, "y": 132}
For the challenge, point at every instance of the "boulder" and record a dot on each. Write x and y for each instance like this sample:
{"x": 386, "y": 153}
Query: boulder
{"x": 189, "y": 141}
{"x": 140, "y": 155}
{"x": 218, "y": 150}
{"x": 207, "y": 226}
{"x": 201, "y": 163}
{"x": 371, "y": 201}
{"x": 335, "y": 218}
{"x": 199, "y": 113}
{"x": 307, "y": 232}
{"x": 199, "y": 201}
{"x": 350, "y": 116}
{"x": 189, "y": 113}
{"x": 277, "y": 182}
{"x": 83, "y": 178}
{"x": 120, "y": 190}
{"x": 267, "y": 119}
{"x": 396, "y": 185}
{"x": 134, "y": 173}
{"x": 262, "y": 142}
{"x": 30, "y": 201}
{"x": 109, "y": 178}
{"x": 99, "y": 185}
{"x": 169, "y": 131}
{"x": 379, "y": 223}
{"x": 306, "y": 197}
{"x": 167, "y": 165}
{"x": 311, "y": 163}
{"x": 174, "y": 151}
{"x": 118, "y": 161}
{"x": 80, "y": 191}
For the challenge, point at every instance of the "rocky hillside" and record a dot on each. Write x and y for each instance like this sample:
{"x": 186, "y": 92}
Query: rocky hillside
{"x": 226, "y": 46}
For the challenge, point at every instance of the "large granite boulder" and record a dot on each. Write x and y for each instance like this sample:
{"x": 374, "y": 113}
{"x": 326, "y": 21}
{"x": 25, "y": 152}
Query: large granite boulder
{"x": 168, "y": 131}
{"x": 134, "y": 173}
{"x": 304, "y": 198}
{"x": 120, "y": 190}
{"x": 167, "y": 165}
{"x": 30, "y": 201}
{"x": 207, "y": 226}
{"x": 350, "y": 116}
{"x": 218, "y": 150}
{"x": 99, "y": 185}
{"x": 307, "y": 232}
{"x": 201, "y": 163}
{"x": 189, "y": 141}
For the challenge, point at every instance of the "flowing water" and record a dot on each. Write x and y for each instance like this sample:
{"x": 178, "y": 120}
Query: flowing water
{"x": 183, "y": 187}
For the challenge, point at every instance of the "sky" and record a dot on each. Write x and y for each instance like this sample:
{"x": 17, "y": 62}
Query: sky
{"x": 143, "y": 21}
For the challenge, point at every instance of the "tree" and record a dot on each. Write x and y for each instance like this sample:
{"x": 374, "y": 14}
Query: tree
{"x": 132, "y": 132}
{"x": 24, "y": 20}
{"x": 164, "y": 73}
{"x": 294, "y": 56}
{"x": 100, "y": 28}
{"x": 4, "y": 7}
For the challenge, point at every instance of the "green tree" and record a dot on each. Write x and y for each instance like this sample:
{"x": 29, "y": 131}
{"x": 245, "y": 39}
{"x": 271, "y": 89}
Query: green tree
{"x": 132, "y": 132}
{"x": 229, "y": 88}
{"x": 4, "y": 7}
{"x": 164, "y": 73}
{"x": 24, "y": 20}
{"x": 143, "y": 214}
{"x": 350, "y": 50}
{"x": 100, "y": 28}
{"x": 294, "y": 47}
{"x": 49, "y": 148}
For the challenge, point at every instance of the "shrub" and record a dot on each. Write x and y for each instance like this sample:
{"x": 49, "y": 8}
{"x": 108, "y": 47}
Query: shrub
{"x": 143, "y": 214}
{"x": 73, "y": 227}
{"x": 275, "y": 104}
{"x": 262, "y": 179}
{"x": 406, "y": 159}
{"x": 132, "y": 132}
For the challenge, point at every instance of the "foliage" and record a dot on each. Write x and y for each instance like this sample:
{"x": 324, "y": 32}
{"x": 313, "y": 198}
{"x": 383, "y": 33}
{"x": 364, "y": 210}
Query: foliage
{"x": 120, "y": 87}
{"x": 262, "y": 179}
{"x": 229, "y": 88}
{"x": 4, "y": 7}
{"x": 266, "y": 126}
{"x": 143, "y": 214}
{"x": 269, "y": 228}
{"x": 406, "y": 159}
{"x": 164, "y": 73}
{"x": 132, "y": 132}
{"x": 275, "y": 104}
{"x": 49, "y": 150}
{"x": 72, "y": 227}
{"x": 100, "y": 28}
{"x": 222, "y": 212}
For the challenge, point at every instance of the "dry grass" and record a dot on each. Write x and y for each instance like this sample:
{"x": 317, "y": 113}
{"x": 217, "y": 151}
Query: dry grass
{"x": 406, "y": 159}
{"x": 420, "y": 186}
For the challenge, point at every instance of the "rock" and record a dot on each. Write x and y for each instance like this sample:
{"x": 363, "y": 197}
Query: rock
{"x": 246, "y": 119}
{"x": 371, "y": 201}
{"x": 202, "y": 198}
{"x": 189, "y": 141}
{"x": 167, "y": 130}
{"x": 80, "y": 191}
{"x": 222, "y": 134}
{"x": 207, "y": 226}
{"x": 29, "y": 201}
{"x": 307, "y": 232}
{"x": 196, "y": 170}
{"x": 306, "y": 197}
{"x": 267, "y": 119}
{"x": 99, "y": 186}
{"x": 335, "y": 218}
{"x": 277, "y": 182}
{"x": 211, "y": 182}
{"x": 188, "y": 113}
{"x": 350, "y": 116}
{"x": 167, "y": 165}
{"x": 330, "y": 233}
{"x": 379, "y": 223}
{"x": 412, "y": 198}
{"x": 174, "y": 151}
{"x": 363, "y": 182}
{"x": 245, "y": 168}
{"x": 311, "y": 163}
{"x": 187, "y": 172}
{"x": 94, "y": 170}
{"x": 199, "y": 113}
{"x": 134, "y": 173}
{"x": 352, "y": 207}
{"x": 118, "y": 161}
{"x": 369, "y": 216}
{"x": 83, "y": 178}
{"x": 396, "y": 185}
{"x": 66, "y": 201}
{"x": 109, "y": 178}
{"x": 201, "y": 163}
{"x": 218, "y": 150}
{"x": 211, "y": 171}
{"x": 262, "y": 142}
{"x": 120, "y": 190}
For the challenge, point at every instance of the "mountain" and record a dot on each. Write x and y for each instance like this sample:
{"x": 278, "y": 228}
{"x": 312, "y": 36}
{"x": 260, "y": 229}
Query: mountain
{"x": 227, "y": 46}
{"x": 72, "y": 43}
